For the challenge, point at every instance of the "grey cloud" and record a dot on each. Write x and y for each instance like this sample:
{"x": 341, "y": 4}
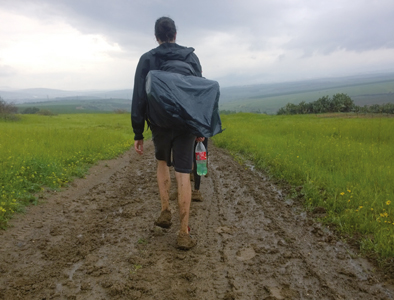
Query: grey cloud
{"x": 312, "y": 27}
{"x": 287, "y": 27}
{"x": 121, "y": 20}
{"x": 362, "y": 27}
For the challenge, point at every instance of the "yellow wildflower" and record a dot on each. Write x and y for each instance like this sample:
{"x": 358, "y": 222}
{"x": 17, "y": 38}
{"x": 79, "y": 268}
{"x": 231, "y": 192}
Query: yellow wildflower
{"x": 342, "y": 193}
{"x": 388, "y": 202}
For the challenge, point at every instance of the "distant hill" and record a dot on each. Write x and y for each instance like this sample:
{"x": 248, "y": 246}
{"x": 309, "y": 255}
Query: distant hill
{"x": 42, "y": 94}
{"x": 363, "y": 89}
{"x": 71, "y": 106}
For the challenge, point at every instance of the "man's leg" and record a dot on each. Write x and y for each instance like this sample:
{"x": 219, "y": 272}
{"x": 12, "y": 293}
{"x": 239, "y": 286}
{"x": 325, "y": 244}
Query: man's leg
{"x": 197, "y": 178}
{"x": 184, "y": 198}
{"x": 164, "y": 183}
{"x": 196, "y": 194}
{"x": 183, "y": 161}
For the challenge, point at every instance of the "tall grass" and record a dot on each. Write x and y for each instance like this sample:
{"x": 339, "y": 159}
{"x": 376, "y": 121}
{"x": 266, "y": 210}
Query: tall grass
{"x": 47, "y": 152}
{"x": 344, "y": 165}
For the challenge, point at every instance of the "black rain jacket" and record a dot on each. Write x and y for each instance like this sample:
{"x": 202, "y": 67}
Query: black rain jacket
{"x": 152, "y": 60}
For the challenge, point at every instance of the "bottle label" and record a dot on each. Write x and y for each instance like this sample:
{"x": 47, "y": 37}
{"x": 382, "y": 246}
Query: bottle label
{"x": 201, "y": 155}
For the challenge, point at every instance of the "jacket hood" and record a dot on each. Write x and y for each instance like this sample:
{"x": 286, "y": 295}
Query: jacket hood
{"x": 172, "y": 51}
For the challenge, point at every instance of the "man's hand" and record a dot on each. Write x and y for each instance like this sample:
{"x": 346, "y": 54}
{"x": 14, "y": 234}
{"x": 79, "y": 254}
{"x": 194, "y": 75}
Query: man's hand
{"x": 139, "y": 146}
{"x": 200, "y": 139}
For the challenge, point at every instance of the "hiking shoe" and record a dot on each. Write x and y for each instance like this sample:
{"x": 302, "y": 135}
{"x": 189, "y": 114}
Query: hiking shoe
{"x": 164, "y": 221}
{"x": 196, "y": 196}
{"x": 185, "y": 242}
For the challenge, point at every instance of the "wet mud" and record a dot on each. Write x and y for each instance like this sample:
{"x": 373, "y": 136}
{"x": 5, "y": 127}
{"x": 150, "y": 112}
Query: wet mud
{"x": 97, "y": 240}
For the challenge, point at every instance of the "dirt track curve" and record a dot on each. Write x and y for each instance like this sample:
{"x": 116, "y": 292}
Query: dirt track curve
{"x": 96, "y": 240}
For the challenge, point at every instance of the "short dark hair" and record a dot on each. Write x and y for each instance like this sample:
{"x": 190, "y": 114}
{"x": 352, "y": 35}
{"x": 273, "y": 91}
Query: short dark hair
{"x": 165, "y": 29}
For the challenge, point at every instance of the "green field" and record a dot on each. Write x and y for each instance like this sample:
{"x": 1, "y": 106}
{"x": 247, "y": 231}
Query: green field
{"x": 344, "y": 165}
{"x": 40, "y": 152}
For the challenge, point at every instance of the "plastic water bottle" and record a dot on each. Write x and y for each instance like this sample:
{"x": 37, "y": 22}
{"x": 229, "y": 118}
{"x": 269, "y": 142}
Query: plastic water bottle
{"x": 201, "y": 159}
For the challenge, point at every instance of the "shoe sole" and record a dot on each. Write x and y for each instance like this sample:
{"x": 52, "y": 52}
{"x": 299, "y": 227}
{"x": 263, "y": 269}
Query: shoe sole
{"x": 166, "y": 225}
{"x": 180, "y": 247}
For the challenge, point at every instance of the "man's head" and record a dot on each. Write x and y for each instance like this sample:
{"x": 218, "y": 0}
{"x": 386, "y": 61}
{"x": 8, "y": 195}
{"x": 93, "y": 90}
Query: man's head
{"x": 165, "y": 30}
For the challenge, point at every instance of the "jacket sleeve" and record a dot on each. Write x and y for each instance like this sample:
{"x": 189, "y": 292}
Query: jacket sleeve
{"x": 139, "y": 101}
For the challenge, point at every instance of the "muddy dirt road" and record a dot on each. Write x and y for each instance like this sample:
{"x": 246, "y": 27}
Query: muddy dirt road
{"x": 97, "y": 240}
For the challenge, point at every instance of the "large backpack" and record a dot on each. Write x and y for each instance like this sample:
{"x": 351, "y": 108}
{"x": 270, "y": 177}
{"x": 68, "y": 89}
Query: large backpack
{"x": 179, "y": 99}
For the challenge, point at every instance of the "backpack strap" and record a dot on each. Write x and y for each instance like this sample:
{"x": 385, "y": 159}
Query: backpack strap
{"x": 178, "y": 66}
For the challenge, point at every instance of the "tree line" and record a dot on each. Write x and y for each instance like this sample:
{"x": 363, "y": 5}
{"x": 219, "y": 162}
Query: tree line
{"x": 7, "y": 110}
{"x": 338, "y": 103}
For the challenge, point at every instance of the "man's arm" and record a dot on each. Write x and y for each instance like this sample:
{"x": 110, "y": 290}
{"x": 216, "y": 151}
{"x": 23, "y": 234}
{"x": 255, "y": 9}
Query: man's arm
{"x": 138, "y": 104}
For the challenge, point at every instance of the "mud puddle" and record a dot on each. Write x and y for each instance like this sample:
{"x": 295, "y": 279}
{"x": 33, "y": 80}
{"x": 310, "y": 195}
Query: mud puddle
{"x": 96, "y": 240}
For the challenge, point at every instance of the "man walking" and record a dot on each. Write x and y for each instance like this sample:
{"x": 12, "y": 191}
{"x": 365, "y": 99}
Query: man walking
{"x": 173, "y": 146}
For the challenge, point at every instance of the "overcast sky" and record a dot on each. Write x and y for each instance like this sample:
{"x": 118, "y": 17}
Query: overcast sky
{"x": 96, "y": 44}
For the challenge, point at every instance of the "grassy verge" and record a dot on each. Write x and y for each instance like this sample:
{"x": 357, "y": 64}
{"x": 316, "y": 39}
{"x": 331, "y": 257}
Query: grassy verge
{"x": 344, "y": 165}
{"x": 47, "y": 152}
